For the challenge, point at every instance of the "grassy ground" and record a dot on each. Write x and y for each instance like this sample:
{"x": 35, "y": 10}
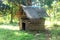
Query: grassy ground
{"x": 23, "y": 35}
{"x": 14, "y": 35}
{"x": 10, "y": 33}
{"x": 55, "y": 32}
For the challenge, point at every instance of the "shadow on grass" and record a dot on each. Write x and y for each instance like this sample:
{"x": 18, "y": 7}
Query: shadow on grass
{"x": 56, "y": 25}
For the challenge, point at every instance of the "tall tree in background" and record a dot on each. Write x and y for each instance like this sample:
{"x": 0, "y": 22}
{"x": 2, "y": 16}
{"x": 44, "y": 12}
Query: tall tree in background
{"x": 3, "y": 7}
{"x": 17, "y": 4}
{"x": 14, "y": 5}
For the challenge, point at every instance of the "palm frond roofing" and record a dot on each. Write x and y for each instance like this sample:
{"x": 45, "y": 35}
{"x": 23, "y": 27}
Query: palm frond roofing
{"x": 34, "y": 12}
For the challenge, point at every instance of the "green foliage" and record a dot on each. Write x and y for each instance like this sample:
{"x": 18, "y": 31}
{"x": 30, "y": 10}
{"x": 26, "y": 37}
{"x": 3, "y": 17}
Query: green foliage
{"x": 54, "y": 12}
{"x": 52, "y": 7}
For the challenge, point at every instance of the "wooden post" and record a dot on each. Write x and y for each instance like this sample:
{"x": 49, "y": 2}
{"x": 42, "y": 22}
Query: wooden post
{"x": 28, "y": 2}
{"x": 20, "y": 24}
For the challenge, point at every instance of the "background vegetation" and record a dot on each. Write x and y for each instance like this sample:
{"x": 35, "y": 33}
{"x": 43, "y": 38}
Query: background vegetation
{"x": 9, "y": 9}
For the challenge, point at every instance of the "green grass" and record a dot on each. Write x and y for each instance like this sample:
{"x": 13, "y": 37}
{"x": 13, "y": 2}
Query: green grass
{"x": 55, "y": 32}
{"x": 24, "y": 35}
{"x": 55, "y": 35}
{"x": 14, "y": 35}
{"x": 19, "y": 35}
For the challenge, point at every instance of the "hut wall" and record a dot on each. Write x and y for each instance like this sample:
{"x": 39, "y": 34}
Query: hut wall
{"x": 34, "y": 24}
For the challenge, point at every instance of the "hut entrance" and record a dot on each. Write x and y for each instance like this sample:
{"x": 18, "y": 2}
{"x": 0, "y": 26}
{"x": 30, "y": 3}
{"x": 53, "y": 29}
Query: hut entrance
{"x": 23, "y": 26}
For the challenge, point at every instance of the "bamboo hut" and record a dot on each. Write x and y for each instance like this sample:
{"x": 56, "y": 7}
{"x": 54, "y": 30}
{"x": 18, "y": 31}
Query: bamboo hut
{"x": 32, "y": 18}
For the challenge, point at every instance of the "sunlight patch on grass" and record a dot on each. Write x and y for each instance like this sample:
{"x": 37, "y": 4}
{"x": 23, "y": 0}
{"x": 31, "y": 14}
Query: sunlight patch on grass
{"x": 48, "y": 25}
{"x": 9, "y": 27}
{"x": 58, "y": 22}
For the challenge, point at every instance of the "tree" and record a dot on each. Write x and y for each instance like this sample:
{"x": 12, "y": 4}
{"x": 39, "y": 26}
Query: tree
{"x": 3, "y": 7}
{"x": 17, "y": 3}
{"x": 13, "y": 7}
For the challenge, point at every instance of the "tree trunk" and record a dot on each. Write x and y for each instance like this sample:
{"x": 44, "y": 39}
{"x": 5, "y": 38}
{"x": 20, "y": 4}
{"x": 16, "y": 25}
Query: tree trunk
{"x": 11, "y": 18}
{"x": 11, "y": 21}
{"x": 28, "y": 2}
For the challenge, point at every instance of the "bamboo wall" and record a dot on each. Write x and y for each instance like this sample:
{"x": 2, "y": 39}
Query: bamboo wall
{"x": 34, "y": 24}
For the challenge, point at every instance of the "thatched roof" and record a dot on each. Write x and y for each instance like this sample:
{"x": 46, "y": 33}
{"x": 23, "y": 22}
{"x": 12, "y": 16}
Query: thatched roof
{"x": 34, "y": 12}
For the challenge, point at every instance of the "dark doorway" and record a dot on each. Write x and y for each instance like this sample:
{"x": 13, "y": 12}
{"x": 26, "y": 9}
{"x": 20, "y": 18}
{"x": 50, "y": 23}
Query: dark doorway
{"x": 23, "y": 26}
